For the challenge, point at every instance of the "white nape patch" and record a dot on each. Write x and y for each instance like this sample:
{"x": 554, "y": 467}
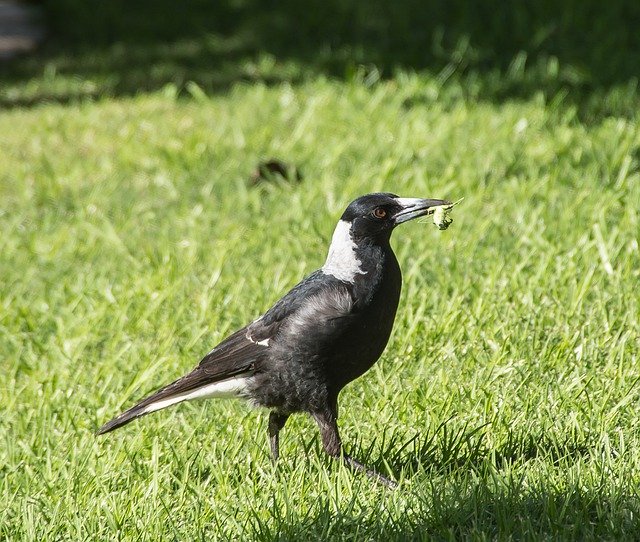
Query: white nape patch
{"x": 342, "y": 262}
{"x": 225, "y": 388}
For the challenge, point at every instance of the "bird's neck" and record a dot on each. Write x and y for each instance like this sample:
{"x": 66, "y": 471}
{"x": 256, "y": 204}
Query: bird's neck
{"x": 381, "y": 273}
{"x": 362, "y": 263}
{"x": 342, "y": 261}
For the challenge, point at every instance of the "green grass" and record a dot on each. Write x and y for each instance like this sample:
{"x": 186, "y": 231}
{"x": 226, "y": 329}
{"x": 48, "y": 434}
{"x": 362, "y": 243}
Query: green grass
{"x": 506, "y": 401}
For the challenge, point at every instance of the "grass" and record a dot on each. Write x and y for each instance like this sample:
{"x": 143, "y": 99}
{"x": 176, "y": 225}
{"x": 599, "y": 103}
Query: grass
{"x": 506, "y": 400}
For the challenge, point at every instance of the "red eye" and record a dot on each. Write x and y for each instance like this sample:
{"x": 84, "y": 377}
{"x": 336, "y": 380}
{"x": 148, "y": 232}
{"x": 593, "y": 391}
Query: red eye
{"x": 379, "y": 212}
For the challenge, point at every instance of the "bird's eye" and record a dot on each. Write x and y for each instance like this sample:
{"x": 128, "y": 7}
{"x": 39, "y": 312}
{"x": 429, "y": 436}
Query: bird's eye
{"x": 379, "y": 212}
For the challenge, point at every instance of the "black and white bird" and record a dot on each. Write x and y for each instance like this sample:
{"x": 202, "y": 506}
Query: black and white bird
{"x": 327, "y": 331}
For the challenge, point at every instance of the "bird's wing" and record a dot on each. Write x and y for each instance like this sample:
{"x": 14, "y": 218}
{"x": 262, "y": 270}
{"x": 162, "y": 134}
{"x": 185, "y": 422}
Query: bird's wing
{"x": 239, "y": 353}
{"x": 222, "y": 370}
{"x": 313, "y": 315}
{"x": 318, "y": 296}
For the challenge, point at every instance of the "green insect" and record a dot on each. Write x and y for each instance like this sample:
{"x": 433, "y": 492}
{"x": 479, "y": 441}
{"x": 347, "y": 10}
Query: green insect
{"x": 441, "y": 216}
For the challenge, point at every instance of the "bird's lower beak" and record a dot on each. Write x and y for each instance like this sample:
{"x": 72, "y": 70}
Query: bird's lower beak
{"x": 415, "y": 207}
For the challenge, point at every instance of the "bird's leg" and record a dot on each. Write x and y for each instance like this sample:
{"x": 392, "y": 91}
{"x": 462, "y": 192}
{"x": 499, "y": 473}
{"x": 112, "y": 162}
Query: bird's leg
{"x": 328, "y": 424}
{"x": 276, "y": 422}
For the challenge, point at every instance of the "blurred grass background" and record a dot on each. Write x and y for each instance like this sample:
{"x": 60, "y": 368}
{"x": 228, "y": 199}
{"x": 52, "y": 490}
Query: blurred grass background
{"x": 132, "y": 242}
{"x": 585, "y": 52}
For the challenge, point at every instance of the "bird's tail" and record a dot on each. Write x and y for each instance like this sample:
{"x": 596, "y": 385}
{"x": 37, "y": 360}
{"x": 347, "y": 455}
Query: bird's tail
{"x": 195, "y": 385}
{"x": 168, "y": 395}
{"x": 122, "y": 419}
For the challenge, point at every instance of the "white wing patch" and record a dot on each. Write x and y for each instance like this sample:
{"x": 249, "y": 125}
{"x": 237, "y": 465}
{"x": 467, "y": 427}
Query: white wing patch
{"x": 263, "y": 342}
{"x": 342, "y": 261}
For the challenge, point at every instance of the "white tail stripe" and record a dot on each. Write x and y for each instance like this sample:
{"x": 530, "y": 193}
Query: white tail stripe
{"x": 225, "y": 388}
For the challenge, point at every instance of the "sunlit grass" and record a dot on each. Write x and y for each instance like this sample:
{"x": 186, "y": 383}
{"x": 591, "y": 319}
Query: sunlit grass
{"x": 506, "y": 399}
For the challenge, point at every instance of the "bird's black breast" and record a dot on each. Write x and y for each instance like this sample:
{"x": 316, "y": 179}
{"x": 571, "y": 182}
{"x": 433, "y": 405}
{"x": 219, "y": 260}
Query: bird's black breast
{"x": 329, "y": 333}
{"x": 376, "y": 295}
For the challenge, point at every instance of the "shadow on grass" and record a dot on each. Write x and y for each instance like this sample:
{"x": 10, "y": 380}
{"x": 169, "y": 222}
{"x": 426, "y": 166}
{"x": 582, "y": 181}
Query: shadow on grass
{"x": 470, "y": 491}
{"x": 457, "y": 487}
{"x": 451, "y": 451}
{"x": 581, "y": 53}
{"x": 473, "y": 510}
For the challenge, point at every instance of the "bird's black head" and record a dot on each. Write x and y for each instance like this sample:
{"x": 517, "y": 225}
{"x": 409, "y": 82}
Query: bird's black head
{"x": 374, "y": 216}
{"x": 367, "y": 223}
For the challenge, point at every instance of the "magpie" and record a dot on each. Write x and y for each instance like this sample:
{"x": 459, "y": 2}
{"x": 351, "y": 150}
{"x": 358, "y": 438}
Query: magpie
{"x": 327, "y": 331}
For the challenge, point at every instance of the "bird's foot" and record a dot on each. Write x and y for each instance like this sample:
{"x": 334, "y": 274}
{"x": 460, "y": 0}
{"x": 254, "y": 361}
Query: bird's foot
{"x": 372, "y": 474}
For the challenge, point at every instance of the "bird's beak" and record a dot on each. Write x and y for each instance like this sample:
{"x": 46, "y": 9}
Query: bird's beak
{"x": 414, "y": 207}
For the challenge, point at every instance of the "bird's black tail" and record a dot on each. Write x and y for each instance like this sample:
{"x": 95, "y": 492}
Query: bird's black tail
{"x": 122, "y": 419}
{"x": 221, "y": 373}
{"x": 168, "y": 395}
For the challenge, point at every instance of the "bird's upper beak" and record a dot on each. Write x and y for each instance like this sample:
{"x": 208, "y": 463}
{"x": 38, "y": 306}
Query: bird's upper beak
{"x": 414, "y": 207}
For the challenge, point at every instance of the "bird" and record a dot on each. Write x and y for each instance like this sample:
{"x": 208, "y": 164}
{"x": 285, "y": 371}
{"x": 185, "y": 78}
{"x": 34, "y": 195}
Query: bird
{"x": 324, "y": 333}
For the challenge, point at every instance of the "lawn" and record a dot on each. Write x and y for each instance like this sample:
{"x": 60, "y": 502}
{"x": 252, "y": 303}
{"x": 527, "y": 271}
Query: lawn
{"x": 506, "y": 401}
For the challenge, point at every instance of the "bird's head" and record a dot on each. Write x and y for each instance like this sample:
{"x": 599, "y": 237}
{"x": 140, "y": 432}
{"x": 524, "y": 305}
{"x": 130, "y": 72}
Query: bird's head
{"x": 368, "y": 222}
{"x": 374, "y": 216}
